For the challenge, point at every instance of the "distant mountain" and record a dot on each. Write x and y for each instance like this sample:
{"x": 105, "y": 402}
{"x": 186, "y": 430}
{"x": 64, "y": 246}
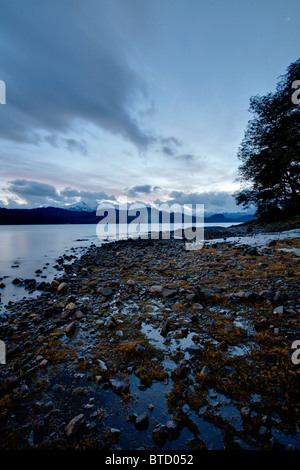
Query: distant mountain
{"x": 82, "y": 207}
{"x": 227, "y": 218}
{"x": 55, "y": 215}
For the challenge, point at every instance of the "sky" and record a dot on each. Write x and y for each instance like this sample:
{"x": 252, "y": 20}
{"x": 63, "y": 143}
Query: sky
{"x": 137, "y": 100}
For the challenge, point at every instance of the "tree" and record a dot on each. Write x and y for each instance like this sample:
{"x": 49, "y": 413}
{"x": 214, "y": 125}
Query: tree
{"x": 270, "y": 150}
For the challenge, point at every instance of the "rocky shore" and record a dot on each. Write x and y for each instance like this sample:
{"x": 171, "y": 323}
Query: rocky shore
{"x": 141, "y": 344}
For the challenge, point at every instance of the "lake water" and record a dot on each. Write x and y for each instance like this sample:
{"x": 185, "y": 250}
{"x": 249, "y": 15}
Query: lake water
{"x": 27, "y": 248}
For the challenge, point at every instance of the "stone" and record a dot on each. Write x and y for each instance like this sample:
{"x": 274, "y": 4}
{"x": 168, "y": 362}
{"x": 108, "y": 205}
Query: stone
{"x": 159, "y": 435}
{"x": 168, "y": 292}
{"x": 106, "y": 292}
{"x": 279, "y": 310}
{"x": 70, "y": 328}
{"x": 164, "y": 328}
{"x": 71, "y": 306}
{"x": 102, "y": 365}
{"x": 142, "y": 421}
{"x": 173, "y": 427}
{"x": 120, "y": 383}
{"x": 140, "y": 349}
{"x": 245, "y": 412}
{"x": 75, "y": 425}
{"x": 179, "y": 372}
{"x": 156, "y": 289}
{"x": 205, "y": 372}
{"x": 63, "y": 287}
{"x": 79, "y": 315}
{"x": 114, "y": 433}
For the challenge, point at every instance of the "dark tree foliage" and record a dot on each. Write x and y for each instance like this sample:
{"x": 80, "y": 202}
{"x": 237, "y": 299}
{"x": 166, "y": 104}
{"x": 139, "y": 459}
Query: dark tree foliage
{"x": 270, "y": 151}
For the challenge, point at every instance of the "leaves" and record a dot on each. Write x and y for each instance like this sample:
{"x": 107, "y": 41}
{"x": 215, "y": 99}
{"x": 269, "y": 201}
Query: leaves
{"x": 270, "y": 150}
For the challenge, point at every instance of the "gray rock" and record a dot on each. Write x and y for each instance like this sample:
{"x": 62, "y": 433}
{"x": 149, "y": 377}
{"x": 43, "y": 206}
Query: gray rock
{"x": 205, "y": 372}
{"x": 159, "y": 435}
{"x": 142, "y": 421}
{"x": 140, "y": 349}
{"x": 70, "y": 328}
{"x": 120, "y": 383}
{"x": 63, "y": 287}
{"x": 75, "y": 425}
{"x": 173, "y": 427}
{"x": 102, "y": 365}
{"x": 279, "y": 310}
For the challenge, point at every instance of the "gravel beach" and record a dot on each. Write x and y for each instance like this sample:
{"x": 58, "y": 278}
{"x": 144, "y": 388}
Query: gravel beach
{"x": 142, "y": 344}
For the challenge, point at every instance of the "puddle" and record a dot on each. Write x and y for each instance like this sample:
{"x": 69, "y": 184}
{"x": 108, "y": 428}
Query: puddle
{"x": 291, "y": 250}
{"x": 258, "y": 240}
{"x": 224, "y": 408}
{"x": 170, "y": 345}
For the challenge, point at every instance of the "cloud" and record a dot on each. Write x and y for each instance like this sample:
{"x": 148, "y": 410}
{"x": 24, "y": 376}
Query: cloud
{"x": 36, "y": 194}
{"x": 214, "y": 201}
{"x": 143, "y": 189}
{"x": 76, "y": 146}
{"x": 86, "y": 195}
{"x": 65, "y": 64}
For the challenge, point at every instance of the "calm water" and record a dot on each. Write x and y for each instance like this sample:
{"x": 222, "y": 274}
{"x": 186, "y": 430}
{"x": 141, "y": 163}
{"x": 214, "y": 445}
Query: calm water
{"x": 27, "y": 248}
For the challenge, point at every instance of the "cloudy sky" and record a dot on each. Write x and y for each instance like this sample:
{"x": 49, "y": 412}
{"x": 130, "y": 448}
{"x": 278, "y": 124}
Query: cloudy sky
{"x": 144, "y": 99}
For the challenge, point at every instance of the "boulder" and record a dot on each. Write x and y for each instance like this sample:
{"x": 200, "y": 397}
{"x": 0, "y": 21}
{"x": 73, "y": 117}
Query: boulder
{"x": 75, "y": 425}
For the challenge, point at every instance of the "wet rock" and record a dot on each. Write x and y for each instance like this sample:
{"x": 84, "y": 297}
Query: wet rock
{"x": 179, "y": 372}
{"x": 204, "y": 372}
{"x": 142, "y": 422}
{"x": 63, "y": 287}
{"x": 120, "y": 383}
{"x": 164, "y": 328}
{"x": 114, "y": 433}
{"x": 159, "y": 435}
{"x": 79, "y": 315}
{"x": 266, "y": 294}
{"x": 70, "y": 328}
{"x": 156, "y": 289}
{"x": 139, "y": 349}
{"x": 239, "y": 295}
{"x": 106, "y": 291}
{"x": 71, "y": 306}
{"x": 245, "y": 412}
{"x": 75, "y": 425}
{"x": 102, "y": 366}
{"x": 173, "y": 427}
{"x": 169, "y": 292}
{"x": 279, "y": 310}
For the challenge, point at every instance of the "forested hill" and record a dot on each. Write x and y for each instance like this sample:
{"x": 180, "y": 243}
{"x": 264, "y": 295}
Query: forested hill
{"x": 54, "y": 215}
